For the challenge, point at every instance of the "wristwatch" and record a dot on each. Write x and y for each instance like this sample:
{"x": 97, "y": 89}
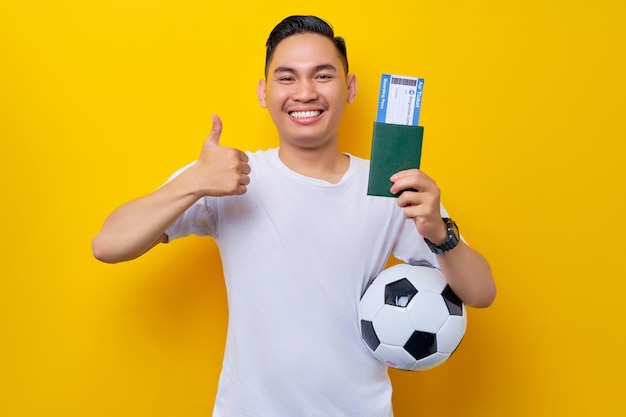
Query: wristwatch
{"x": 450, "y": 243}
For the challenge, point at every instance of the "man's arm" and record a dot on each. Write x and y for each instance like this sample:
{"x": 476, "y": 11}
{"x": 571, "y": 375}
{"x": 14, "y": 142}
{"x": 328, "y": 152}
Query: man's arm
{"x": 466, "y": 270}
{"x": 469, "y": 275}
{"x": 137, "y": 226}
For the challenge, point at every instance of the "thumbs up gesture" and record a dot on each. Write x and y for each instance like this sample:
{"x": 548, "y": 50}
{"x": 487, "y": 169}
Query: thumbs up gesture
{"x": 221, "y": 170}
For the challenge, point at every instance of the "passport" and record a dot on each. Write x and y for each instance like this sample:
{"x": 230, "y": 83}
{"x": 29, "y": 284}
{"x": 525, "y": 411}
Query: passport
{"x": 397, "y": 137}
{"x": 394, "y": 148}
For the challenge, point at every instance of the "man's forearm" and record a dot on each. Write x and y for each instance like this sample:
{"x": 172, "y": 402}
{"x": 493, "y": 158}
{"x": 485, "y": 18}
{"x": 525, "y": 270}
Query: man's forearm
{"x": 137, "y": 226}
{"x": 469, "y": 275}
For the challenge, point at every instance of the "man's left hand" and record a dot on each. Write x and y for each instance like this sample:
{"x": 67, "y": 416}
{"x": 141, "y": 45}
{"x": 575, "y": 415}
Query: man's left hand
{"x": 420, "y": 199}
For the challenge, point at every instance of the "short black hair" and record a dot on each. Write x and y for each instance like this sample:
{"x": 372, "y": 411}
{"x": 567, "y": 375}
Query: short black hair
{"x": 303, "y": 24}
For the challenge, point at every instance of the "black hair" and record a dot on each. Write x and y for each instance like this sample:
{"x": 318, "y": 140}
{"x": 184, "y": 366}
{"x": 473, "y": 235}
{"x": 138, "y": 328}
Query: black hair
{"x": 303, "y": 24}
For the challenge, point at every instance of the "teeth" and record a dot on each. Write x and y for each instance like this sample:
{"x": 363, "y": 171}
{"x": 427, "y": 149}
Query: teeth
{"x": 305, "y": 114}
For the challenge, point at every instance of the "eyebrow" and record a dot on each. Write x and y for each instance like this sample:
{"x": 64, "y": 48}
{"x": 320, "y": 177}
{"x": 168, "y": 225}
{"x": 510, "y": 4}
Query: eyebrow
{"x": 317, "y": 68}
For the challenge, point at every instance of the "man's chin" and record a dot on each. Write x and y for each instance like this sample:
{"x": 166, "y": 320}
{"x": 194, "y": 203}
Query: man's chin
{"x": 309, "y": 142}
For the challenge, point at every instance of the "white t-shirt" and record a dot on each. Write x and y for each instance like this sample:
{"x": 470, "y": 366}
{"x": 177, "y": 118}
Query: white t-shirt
{"x": 297, "y": 254}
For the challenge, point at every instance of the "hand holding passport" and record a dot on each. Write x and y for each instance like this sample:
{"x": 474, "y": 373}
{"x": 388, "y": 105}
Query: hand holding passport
{"x": 397, "y": 138}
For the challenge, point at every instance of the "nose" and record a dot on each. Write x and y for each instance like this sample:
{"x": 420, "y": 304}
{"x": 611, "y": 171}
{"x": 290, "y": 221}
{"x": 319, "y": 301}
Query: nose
{"x": 305, "y": 91}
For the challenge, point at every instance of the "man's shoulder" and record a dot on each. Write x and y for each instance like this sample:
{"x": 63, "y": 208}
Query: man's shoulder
{"x": 361, "y": 164}
{"x": 358, "y": 159}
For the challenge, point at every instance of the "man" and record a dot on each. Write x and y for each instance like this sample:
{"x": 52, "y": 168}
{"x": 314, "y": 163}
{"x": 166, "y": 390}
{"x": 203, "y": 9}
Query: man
{"x": 299, "y": 239}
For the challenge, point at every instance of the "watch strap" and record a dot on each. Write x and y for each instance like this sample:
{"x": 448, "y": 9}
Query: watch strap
{"x": 450, "y": 243}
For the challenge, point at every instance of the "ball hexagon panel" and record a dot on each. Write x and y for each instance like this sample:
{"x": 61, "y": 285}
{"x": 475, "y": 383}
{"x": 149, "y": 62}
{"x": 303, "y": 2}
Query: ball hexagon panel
{"x": 392, "y": 325}
{"x": 427, "y": 312}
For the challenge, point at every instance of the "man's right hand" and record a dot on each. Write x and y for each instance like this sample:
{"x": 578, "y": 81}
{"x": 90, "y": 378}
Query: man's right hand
{"x": 220, "y": 171}
{"x": 137, "y": 226}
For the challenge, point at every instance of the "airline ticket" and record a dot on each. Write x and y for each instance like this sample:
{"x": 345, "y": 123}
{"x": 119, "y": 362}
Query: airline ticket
{"x": 400, "y": 100}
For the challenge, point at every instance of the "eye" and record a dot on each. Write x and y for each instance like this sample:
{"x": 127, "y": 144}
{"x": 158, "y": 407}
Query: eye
{"x": 286, "y": 79}
{"x": 324, "y": 77}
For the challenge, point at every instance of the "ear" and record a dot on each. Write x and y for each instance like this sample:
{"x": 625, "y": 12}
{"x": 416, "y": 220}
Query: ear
{"x": 260, "y": 92}
{"x": 352, "y": 88}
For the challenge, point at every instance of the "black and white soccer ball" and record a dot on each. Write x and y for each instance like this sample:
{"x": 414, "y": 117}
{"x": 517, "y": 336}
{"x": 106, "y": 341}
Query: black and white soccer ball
{"x": 410, "y": 318}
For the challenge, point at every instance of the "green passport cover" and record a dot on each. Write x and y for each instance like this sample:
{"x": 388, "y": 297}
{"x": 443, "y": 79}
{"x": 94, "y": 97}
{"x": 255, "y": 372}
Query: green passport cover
{"x": 394, "y": 148}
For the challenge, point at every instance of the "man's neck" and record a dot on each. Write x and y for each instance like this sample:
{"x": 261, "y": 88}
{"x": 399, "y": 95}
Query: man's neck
{"x": 325, "y": 163}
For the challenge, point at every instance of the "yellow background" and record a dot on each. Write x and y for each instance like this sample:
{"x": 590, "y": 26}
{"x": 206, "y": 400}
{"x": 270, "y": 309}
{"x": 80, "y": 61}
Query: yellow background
{"x": 101, "y": 100}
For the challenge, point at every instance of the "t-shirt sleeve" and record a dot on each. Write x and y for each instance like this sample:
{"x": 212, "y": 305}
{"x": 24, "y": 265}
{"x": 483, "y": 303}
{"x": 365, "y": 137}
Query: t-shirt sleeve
{"x": 198, "y": 219}
{"x": 411, "y": 248}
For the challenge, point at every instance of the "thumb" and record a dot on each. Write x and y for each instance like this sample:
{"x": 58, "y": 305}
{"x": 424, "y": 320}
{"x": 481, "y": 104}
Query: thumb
{"x": 216, "y": 131}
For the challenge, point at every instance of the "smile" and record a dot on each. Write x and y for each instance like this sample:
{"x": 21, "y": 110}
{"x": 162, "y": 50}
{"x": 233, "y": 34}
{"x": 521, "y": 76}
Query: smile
{"x": 305, "y": 114}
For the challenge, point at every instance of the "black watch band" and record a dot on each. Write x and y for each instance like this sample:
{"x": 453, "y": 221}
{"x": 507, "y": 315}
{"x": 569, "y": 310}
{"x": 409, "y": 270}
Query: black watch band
{"x": 450, "y": 243}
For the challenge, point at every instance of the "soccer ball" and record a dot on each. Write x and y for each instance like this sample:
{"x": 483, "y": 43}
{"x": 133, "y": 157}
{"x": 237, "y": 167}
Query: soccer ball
{"x": 410, "y": 318}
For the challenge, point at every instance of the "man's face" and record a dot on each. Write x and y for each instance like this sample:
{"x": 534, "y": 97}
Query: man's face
{"x": 306, "y": 90}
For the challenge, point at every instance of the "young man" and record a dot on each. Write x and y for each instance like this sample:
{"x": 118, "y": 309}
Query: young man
{"x": 300, "y": 240}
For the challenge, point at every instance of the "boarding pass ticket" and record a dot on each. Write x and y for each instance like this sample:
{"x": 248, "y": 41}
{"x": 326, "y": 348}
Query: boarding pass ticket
{"x": 400, "y": 100}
